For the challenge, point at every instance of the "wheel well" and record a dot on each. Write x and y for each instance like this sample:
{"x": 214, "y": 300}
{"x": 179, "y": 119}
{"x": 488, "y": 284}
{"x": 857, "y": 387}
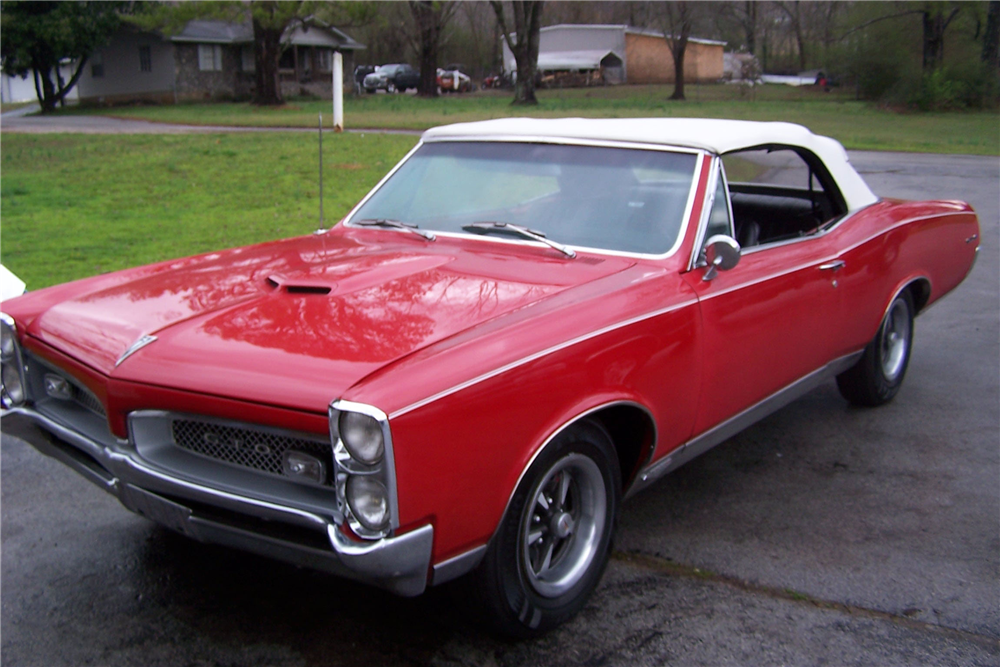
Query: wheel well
{"x": 633, "y": 434}
{"x": 920, "y": 291}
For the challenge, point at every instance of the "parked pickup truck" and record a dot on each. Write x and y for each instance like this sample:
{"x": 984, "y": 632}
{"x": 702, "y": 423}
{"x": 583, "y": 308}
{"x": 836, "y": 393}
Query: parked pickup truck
{"x": 392, "y": 78}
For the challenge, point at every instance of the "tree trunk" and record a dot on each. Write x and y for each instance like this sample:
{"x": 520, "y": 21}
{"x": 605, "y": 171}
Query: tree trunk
{"x": 527, "y": 24}
{"x": 750, "y": 25}
{"x": 267, "y": 52}
{"x": 677, "y": 21}
{"x": 429, "y": 27}
{"x": 933, "y": 40}
{"x": 991, "y": 39}
{"x": 678, "y": 48}
{"x": 935, "y": 24}
{"x": 48, "y": 99}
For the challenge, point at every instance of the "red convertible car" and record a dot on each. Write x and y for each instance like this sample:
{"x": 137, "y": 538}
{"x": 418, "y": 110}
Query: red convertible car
{"x": 524, "y": 323}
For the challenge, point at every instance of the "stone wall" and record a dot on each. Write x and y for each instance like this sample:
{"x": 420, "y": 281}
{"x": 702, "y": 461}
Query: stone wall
{"x": 230, "y": 83}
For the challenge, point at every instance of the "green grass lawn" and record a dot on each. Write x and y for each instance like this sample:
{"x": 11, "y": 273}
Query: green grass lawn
{"x": 857, "y": 125}
{"x": 78, "y": 205}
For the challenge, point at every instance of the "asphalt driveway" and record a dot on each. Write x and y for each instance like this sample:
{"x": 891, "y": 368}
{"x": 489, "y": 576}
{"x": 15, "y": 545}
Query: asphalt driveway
{"x": 825, "y": 534}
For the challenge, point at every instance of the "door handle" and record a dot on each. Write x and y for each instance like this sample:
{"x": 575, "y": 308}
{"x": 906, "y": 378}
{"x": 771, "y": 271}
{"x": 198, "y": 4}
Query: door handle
{"x": 832, "y": 266}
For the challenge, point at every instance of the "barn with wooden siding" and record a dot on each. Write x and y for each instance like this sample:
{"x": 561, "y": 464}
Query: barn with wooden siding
{"x": 622, "y": 54}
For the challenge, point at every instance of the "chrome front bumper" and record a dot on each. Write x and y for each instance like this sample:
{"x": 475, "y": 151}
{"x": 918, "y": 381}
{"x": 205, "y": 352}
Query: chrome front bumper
{"x": 399, "y": 564}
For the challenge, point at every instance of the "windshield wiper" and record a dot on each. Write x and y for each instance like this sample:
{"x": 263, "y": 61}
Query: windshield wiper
{"x": 517, "y": 230}
{"x": 394, "y": 224}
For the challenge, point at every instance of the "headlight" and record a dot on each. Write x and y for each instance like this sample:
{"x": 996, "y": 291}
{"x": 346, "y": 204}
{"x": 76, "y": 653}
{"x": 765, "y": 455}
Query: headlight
{"x": 11, "y": 383}
{"x": 364, "y": 468}
{"x": 6, "y": 342}
{"x": 362, "y": 435}
{"x": 13, "y": 389}
{"x": 369, "y": 502}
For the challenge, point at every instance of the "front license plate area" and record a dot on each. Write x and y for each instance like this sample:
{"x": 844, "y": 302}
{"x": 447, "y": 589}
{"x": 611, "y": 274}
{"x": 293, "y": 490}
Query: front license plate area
{"x": 156, "y": 508}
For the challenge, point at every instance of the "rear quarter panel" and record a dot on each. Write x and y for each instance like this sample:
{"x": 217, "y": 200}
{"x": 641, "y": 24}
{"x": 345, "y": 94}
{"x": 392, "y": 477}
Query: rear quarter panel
{"x": 893, "y": 243}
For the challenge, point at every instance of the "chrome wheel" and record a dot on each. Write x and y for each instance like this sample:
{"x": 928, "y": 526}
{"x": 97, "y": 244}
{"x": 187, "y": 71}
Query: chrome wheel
{"x": 563, "y": 525}
{"x": 895, "y": 340}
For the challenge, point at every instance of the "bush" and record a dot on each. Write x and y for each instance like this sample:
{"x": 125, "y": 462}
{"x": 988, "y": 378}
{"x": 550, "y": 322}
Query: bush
{"x": 964, "y": 86}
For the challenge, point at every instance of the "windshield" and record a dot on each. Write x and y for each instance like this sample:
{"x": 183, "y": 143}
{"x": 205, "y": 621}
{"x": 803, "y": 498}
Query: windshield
{"x": 593, "y": 197}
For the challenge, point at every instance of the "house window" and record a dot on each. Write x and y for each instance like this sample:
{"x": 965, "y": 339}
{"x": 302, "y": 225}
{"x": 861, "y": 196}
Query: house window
{"x": 145, "y": 59}
{"x": 323, "y": 61}
{"x": 210, "y": 57}
{"x": 97, "y": 64}
{"x": 247, "y": 59}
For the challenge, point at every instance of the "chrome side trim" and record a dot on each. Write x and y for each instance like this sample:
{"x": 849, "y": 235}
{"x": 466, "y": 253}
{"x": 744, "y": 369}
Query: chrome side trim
{"x": 850, "y": 214}
{"x": 453, "y": 568}
{"x": 739, "y": 422}
{"x": 538, "y": 355}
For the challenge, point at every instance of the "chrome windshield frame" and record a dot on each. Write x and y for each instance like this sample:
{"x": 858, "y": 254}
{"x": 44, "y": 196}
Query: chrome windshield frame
{"x": 699, "y": 153}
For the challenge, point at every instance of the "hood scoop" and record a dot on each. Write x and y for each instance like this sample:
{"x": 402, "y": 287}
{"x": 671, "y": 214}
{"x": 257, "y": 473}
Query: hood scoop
{"x": 279, "y": 282}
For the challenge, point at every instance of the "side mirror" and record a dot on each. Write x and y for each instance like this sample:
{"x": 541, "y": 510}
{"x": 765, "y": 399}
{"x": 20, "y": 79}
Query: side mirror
{"x": 721, "y": 254}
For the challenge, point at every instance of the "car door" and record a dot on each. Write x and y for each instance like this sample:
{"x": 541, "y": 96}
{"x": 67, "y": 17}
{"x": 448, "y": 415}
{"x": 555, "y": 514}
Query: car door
{"x": 769, "y": 321}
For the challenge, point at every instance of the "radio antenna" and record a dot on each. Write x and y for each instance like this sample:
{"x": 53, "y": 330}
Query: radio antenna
{"x": 321, "y": 170}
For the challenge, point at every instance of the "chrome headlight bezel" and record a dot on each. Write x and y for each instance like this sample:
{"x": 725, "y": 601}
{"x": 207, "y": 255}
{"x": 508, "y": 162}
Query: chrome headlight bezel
{"x": 362, "y": 436}
{"x": 347, "y": 465}
{"x": 10, "y": 358}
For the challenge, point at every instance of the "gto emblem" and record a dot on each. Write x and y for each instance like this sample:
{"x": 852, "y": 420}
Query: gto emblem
{"x": 213, "y": 439}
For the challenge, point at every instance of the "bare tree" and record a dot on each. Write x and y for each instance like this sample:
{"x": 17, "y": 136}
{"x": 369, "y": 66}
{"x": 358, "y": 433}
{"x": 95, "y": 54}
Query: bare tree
{"x": 676, "y": 20}
{"x": 937, "y": 16}
{"x": 523, "y": 44}
{"x": 430, "y": 17}
{"x": 793, "y": 10}
{"x": 991, "y": 38}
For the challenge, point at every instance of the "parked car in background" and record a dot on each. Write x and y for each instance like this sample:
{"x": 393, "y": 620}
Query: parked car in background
{"x": 360, "y": 72}
{"x": 454, "y": 81}
{"x": 496, "y": 81}
{"x": 392, "y": 78}
{"x": 526, "y": 322}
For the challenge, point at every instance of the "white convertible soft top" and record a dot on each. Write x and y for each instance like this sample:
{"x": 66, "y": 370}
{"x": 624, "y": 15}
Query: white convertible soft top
{"x": 709, "y": 134}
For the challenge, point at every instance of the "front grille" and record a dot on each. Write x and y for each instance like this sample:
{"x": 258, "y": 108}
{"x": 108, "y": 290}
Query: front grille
{"x": 246, "y": 447}
{"x": 87, "y": 399}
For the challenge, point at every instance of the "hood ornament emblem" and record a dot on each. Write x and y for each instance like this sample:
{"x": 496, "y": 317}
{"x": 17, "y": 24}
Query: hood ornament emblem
{"x": 140, "y": 343}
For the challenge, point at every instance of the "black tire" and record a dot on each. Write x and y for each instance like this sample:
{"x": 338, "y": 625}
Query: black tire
{"x": 552, "y": 546}
{"x": 878, "y": 375}
{"x": 370, "y": 91}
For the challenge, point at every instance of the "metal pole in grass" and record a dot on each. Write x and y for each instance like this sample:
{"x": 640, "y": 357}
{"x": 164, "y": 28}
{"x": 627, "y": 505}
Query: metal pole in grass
{"x": 321, "y": 170}
{"x": 338, "y": 92}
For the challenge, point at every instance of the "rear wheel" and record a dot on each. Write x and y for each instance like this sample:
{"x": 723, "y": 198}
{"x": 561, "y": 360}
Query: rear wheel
{"x": 552, "y": 547}
{"x": 878, "y": 375}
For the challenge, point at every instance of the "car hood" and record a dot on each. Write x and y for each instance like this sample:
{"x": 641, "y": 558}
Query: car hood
{"x": 296, "y": 323}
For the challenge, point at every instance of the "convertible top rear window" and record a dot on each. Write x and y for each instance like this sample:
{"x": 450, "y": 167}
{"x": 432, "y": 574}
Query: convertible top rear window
{"x": 620, "y": 199}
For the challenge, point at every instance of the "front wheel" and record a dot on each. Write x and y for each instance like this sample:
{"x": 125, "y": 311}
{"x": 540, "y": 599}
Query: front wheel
{"x": 390, "y": 87}
{"x": 551, "y": 549}
{"x": 878, "y": 375}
